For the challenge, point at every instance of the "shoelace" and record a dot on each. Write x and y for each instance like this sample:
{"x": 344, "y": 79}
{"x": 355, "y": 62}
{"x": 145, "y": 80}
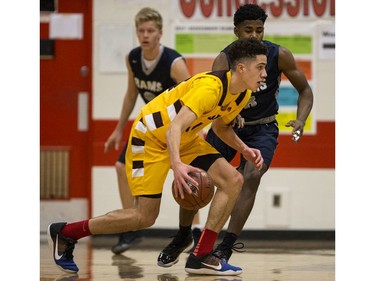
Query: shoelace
{"x": 224, "y": 252}
{"x": 238, "y": 246}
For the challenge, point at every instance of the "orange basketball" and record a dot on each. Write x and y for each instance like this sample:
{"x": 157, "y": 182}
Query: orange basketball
{"x": 202, "y": 194}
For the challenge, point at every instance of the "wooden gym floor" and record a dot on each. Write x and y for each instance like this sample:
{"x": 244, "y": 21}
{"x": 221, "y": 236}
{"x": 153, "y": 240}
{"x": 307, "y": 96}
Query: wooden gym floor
{"x": 262, "y": 261}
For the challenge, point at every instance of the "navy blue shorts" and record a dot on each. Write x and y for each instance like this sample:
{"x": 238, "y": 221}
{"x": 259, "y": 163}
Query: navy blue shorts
{"x": 263, "y": 137}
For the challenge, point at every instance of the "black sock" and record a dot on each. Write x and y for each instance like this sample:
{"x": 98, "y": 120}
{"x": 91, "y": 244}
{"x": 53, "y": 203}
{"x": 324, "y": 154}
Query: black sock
{"x": 185, "y": 230}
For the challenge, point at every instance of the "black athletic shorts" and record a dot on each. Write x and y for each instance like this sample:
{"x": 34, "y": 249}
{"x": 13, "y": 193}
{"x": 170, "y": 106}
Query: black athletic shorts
{"x": 263, "y": 137}
{"x": 121, "y": 158}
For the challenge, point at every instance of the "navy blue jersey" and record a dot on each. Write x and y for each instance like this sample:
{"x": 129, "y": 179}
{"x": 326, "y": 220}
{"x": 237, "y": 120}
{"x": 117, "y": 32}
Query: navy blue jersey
{"x": 263, "y": 102}
{"x": 151, "y": 82}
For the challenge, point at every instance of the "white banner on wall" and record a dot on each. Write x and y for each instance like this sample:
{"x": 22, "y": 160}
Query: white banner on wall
{"x": 66, "y": 26}
{"x": 115, "y": 42}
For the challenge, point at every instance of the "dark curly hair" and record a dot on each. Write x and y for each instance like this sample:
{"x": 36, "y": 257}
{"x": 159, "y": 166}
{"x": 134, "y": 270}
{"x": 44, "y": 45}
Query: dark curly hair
{"x": 249, "y": 12}
{"x": 245, "y": 48}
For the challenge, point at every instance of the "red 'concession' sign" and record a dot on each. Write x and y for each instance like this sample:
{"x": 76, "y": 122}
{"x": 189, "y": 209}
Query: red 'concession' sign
{"x": 274, "y": 8}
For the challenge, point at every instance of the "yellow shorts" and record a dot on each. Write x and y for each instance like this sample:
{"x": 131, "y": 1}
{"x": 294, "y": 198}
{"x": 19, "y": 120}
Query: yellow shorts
{"x": 147, "y": 160}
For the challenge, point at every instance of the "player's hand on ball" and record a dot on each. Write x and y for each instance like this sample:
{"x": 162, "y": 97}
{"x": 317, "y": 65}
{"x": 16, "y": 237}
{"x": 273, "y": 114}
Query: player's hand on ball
{"x": 181, "y": 177}
{"x": 200, "y": 195}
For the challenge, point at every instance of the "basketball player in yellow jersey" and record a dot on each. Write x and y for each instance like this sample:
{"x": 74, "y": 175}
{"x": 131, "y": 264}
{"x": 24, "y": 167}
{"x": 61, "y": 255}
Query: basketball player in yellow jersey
{"x": 166, "y": 135}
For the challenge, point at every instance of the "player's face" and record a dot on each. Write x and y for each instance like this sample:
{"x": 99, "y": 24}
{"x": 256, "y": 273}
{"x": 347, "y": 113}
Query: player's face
{"x": 254, "y": 72}
{"x": 148, "y": 35}
{"x": 250, "y": 29}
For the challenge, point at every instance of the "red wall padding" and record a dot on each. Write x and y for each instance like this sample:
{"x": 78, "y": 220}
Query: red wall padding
{"x": 313, "y": 151}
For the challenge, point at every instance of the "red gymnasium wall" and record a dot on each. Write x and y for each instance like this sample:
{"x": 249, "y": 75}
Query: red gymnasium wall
{"x": 313, "y": 151}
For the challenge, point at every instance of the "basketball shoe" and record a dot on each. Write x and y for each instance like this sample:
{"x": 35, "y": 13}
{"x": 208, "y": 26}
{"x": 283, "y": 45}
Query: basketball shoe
{"x": 169, "y": 255}
{"x": 62, "y": 248}
{"x": 224, "y": 252}
{"x": 210, "y": 265}
{"x": 127, "y": 240}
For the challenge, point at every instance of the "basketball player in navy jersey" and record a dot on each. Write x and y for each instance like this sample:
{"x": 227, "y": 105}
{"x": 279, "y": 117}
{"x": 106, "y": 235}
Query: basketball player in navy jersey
{"x": 152, "y": 68}
{"x": 257, "y": 125}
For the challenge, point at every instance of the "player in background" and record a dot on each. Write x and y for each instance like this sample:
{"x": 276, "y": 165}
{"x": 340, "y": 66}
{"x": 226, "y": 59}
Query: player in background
{"x": 152, "y": 68}
{"x": 166, "y": 135}
{"x": 256, "y": 125}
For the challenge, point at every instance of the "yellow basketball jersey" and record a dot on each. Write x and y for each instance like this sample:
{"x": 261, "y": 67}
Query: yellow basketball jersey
{"x": 206, "y": 94}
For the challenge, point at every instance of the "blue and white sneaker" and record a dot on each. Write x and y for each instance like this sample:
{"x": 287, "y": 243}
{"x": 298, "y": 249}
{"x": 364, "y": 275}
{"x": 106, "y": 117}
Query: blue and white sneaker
{"x": 62, "y": 248}
{"x": 210, "y": 265}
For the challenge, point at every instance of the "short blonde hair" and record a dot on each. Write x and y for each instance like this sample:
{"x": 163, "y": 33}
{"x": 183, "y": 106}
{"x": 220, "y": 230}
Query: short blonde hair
{"x": 149, "y": 14}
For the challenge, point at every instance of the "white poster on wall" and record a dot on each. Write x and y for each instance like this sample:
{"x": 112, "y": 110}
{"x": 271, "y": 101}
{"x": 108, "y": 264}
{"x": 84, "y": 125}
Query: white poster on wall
{"x": 66, "y": 26}
{"x": 115, "y": 41}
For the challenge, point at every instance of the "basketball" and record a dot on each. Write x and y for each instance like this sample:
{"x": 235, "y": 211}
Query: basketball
{"x": 202, "y": 194}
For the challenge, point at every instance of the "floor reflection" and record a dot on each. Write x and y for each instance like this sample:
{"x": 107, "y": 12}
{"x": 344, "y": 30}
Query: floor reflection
{"x": 127, "y": 267}
{"x": 97, "y": 263}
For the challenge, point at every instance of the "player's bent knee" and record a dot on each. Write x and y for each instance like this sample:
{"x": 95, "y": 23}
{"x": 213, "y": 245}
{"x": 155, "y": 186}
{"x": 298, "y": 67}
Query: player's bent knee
{"x": 146, "y": 222}
{"x": 239, "y": 180}
{"x": 252, "y": 175}
{"x": 250, "y": 172}
{"x": 235, "y": 182}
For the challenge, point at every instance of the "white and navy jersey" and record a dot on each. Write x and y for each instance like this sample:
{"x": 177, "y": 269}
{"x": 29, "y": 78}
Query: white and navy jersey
{"x": 151, "y": 82}
{"x": 263, "y": 102}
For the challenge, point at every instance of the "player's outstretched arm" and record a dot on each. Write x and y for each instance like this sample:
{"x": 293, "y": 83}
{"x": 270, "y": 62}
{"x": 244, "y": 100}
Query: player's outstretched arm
{"x": 288, "y": 66}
